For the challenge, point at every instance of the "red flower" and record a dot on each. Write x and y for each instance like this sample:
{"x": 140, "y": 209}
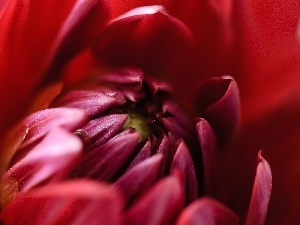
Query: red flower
{"x": 252, "y": 41}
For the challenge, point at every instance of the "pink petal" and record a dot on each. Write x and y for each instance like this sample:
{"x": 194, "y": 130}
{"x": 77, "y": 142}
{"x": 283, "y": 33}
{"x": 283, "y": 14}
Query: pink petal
{"x": 144, "y": 40}
{"x": 218, "y": 102}
{"x": 137, "y": 180}
{"x": 261, "y": 193}
{"x": 183, "y": 165}
{"x": 208, "y": 145}
{"x": 92, "y": 102}
{"x": 207, "y": 211}
{"x": 160, "y": 205}
{"x": 40, "y": 123}
{"x": 74, "y": 202}
{"x": 49, "y": 161}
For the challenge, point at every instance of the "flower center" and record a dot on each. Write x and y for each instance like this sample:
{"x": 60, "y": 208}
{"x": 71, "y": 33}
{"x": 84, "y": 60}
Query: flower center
{"x": 139, "y": 123}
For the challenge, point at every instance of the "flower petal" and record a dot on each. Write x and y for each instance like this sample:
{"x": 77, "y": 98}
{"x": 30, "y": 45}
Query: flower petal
{"x": 50, "y": 160}
{"x": 137, "y": 180}
{"x": 73, "y": 202}
{"x": 103, "y": 163}
{"x": 92, "y": 102}
{"x": 165, "y": 200}
{"x": 207, "y": 211}
{"x": 218, "y": 101}
{"x": 208, "y": 145}
{"x": 144, "y": 40}
{"x": 18, "y": 28}
{"x": 261, "y": 193}
{"x": 183, "y": 166}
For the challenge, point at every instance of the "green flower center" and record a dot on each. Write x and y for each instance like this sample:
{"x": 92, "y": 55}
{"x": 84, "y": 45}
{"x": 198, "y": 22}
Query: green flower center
{"x": 138, "y": 122}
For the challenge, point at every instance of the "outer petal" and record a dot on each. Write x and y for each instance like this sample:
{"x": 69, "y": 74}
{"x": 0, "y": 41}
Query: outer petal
{"x": 165, "y": 200}
{"x": 261, "y": 193}
{"x": 218, "y": 101}
{"x": 36, "y": 126}
{"x": 207, "y": 211}
{"x": 73, "y": 202}
{"x": 49, "y": 161}
{"x": 26, "y": 43}
{"x": 145, "y": 40}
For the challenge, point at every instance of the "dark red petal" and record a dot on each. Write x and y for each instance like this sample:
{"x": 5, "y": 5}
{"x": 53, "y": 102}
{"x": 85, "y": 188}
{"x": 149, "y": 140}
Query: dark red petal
{"x": 144, "y": 40}
{"x": 137, "y": 180}
{"x": 207, "y": 211}
{"x": 103, "y": 129}
{"x": 73, "y": 202}
{"x": 143, "y": 154}
{"x": 159, "y": 206}
{"x": 49, "y": 161}
{"x": 92, "y": 102}
{"x": 102, "y": 163}
{"x": 127, "y": 78}
{"x": 218, "y": 101}
{"x": 208, "y": 145}
{"x": 183, "y": 165}
{"x": 80, "y": 29}
{"x": 261, "y": 193}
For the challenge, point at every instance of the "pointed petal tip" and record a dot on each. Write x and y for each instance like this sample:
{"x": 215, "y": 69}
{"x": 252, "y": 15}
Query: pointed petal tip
{"x": 261, "y": 193}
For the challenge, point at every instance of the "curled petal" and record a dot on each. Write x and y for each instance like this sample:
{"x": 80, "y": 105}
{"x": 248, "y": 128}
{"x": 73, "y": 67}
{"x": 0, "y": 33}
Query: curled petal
{"x": 145, "y": 40}
{"x": 218, "y": 101}
{"x": 73, "y": 202}
{"x": 83, "y": 25}
{"x": 261, "y": 193}
{"x": 207, "y": 211}
{"x": 165, "y": 200}
{"x": 23, "y": 35}
{"x": 208, "y": 145}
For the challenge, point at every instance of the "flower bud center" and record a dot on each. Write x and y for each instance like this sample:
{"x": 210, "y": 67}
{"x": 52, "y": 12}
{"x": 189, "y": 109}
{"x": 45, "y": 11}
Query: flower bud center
{"x": 138, "y": 122}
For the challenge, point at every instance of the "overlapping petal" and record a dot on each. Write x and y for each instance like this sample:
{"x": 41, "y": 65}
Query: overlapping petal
{"x": 63, "y": 204}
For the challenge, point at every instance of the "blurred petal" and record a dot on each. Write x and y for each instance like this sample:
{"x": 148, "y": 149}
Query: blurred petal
{"x": 218, "y": 102}
{"x": 26, "y": 43}
{"x": 165, "y": 200}
{"x": 144, "y": 40}
{"x": 34, "y": 127}
{"x": 261, "y": 193}
{"x": 73, "y": 202}
{"x": 49, "y": 161}
{"x": 207, "y": 211}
